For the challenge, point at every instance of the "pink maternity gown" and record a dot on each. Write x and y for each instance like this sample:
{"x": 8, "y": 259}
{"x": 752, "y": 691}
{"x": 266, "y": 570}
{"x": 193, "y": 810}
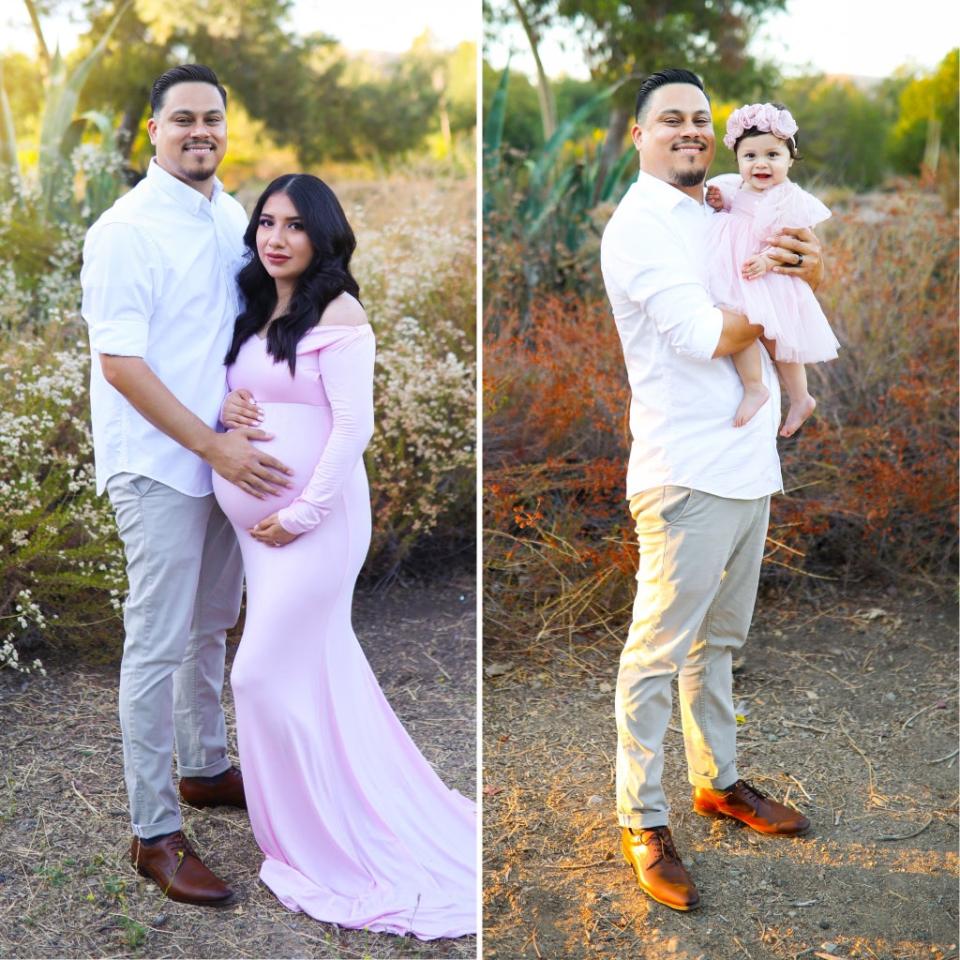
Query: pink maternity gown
{"x": 356, "y": 827}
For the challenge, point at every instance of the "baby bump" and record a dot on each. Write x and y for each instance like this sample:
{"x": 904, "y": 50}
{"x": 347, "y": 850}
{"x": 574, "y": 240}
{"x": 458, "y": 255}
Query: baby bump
{"x": 300, "y": 432}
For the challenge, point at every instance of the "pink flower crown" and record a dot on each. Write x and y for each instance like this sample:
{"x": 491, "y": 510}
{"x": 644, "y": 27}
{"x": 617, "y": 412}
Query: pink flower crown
{"x": 762, "y": 116}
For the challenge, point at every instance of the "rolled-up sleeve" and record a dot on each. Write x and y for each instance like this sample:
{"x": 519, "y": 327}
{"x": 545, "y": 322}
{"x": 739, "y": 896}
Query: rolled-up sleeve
{"x": 118, "y": 289}
{"x": 660, "y": 279}
{"x": 686, "y": 316}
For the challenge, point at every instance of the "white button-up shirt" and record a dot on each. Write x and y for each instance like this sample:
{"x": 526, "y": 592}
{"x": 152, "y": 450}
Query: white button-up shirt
{"x": 683, "y": 401}
{"x": 159, "y": 282}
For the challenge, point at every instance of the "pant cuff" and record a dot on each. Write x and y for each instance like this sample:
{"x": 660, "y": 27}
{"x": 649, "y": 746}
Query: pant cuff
{"x": 211, "y": 770}
{"x": 149, "y": 830}
{"x": 642, "y": 821}
{"x": 725, "y": 779}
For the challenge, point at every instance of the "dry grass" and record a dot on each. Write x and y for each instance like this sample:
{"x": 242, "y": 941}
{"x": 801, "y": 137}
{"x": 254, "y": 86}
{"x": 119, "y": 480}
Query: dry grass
{"x": 851, "y": 715}
{"x": 66, "y": 886}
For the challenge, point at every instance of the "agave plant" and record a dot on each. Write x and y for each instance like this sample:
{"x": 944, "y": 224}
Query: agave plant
{"x": 60, "y": 131}
{"x": 546, "y": 200}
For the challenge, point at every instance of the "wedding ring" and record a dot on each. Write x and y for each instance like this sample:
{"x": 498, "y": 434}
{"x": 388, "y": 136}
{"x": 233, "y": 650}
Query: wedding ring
{"x": 799, "y": 262}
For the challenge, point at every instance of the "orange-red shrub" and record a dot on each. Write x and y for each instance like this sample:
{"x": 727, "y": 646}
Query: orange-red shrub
{"x": 871, "y": 482}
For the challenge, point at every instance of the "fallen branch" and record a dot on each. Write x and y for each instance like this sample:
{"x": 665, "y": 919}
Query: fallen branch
{"x": 579, "y": 866}
{"x": 93, "y": 809}
{"x": 872, "y": 781}
{"x": 907, "y": 836}
{"x": 804, "y": 726}
{"x": 909, "y": 720}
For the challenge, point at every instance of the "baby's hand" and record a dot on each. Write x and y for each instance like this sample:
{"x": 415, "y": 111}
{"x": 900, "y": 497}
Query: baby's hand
{"x": 240, "y": 410}
{"x": 714, "y": 198}
{"x": 755, "y": 267}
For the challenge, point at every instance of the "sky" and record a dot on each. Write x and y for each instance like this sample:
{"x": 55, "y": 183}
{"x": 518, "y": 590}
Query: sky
{"x": 382, "y": 25}
{"x": 860, "y": 37}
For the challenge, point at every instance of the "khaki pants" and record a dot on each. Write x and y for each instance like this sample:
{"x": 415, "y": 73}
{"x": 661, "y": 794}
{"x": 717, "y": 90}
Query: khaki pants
{"x": 700, "y": 561}
{"x": 186, "y": 578}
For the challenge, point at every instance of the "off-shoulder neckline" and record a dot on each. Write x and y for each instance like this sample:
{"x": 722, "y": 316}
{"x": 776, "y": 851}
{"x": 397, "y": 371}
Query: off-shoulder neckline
{"x": 325, "y": 326}
{"x": 337, "y": 326}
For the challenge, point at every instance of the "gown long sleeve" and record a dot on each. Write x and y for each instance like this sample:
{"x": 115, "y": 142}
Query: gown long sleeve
{"x": 345, "y": 366}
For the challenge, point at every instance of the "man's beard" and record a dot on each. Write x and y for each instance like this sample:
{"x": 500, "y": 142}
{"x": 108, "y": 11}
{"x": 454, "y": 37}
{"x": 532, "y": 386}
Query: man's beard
{"x": 687, "y": 178}
{"x": 198, "y": 176}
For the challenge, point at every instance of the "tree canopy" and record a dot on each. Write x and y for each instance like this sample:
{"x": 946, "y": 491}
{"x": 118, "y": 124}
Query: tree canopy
{"x": 307, "y": 92}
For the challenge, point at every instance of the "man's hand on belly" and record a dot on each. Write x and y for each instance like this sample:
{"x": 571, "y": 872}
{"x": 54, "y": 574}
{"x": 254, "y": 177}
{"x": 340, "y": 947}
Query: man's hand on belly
{"x": 230, "y": 454}
{"x": 236, "y": 459}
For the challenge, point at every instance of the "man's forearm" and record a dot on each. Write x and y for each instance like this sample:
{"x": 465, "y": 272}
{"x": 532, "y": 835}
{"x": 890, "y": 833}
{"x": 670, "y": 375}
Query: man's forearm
{"x": 143, "y": 389}
{"x": 738, "y": 332}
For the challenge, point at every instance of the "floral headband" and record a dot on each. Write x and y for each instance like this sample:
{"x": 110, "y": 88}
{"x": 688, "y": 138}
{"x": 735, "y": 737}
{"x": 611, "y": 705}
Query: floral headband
{"x": 761, "y": 116}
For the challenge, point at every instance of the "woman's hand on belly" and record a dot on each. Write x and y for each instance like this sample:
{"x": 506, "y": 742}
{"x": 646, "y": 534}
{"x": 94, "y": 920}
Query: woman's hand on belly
{"x": 270, "y": 532}
{"x": 240, "y": 410}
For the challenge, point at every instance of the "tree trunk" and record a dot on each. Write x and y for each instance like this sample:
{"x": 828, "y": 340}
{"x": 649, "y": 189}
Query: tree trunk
{"x": 440, "y": 86}
{"x": 129, "y": 126}
{"x": 38, "y": 32}
{"x": 617, "y": 125}
{"x": 548, "y": 110}
{"x": 931, "y": 150}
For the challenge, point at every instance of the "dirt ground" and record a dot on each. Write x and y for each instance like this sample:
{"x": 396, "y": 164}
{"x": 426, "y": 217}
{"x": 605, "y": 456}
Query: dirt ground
{"x": 66, "y": 886}
{"x": 850, "y": 706}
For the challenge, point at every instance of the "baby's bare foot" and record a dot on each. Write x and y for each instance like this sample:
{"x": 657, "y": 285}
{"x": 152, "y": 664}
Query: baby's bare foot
{"x": 797, "y": 415}
{"x": 754, "y": 397}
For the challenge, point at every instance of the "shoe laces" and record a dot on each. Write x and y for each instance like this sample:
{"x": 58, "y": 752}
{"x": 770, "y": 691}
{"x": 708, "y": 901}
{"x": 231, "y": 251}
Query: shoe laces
{"x": 179, "y": 841}
{"x": 751, "y": 791}
{"x": 183, "y": 845}
{"x": 664, "y": 843}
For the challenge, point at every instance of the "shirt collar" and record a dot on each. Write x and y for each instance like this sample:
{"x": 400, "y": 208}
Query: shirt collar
{"x": 661, "y": 194}
{"x": 185, "y": 196}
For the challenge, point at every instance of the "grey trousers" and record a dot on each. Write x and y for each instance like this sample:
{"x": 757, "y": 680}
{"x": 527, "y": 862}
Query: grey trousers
{"x": 697, "y": 581}
{"x": 185, "y": 581}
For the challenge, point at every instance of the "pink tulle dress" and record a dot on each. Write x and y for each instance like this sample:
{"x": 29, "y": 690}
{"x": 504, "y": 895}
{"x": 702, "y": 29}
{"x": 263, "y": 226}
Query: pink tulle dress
{"x": 784, "y": 306}
{"x": 355, "y": 826}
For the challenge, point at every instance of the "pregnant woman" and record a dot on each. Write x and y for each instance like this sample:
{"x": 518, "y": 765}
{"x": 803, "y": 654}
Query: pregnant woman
{"x": 356, "y": 827}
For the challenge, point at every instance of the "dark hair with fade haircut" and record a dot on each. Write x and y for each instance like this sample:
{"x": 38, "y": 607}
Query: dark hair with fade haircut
{"x": 660, "y": 79}
{"x": 185, "y": 73}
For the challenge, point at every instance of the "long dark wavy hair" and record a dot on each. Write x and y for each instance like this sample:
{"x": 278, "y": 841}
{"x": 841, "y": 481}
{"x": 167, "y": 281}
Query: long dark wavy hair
{"x": 326, "y": 277}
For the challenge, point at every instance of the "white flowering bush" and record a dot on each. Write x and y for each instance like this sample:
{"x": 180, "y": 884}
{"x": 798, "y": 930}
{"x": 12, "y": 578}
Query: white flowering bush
{"x": 421, "y": 460}
{"x": 423, "y": 269}
{"x": 418, "y": 282}
{"x": 42, "y": 231}
{"x": 61, "y": 564}
{"x": 39, "y": 264}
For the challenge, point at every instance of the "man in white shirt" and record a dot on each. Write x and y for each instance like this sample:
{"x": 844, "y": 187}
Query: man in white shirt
{"x": 699, "y": 488}
{"x": 159, "y": 296}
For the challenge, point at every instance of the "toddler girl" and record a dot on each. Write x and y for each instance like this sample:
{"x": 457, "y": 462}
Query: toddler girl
{"x": 750, "y": 208}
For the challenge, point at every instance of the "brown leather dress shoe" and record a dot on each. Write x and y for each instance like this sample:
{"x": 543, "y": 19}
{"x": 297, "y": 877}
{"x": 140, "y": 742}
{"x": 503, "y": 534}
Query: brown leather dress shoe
{"x": 651, "y": 853}
{"x": 223, "y": 791}
{"x": 179, "y": 873}
{"x": 752, "y": 807}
